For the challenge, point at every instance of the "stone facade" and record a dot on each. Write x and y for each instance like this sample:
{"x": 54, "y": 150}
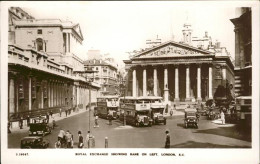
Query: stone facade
{"x": 178, "y": 72}
{"x": 243, "y": 52}
{"x": 43, "y": 68}
{"x": 106, "y": 76}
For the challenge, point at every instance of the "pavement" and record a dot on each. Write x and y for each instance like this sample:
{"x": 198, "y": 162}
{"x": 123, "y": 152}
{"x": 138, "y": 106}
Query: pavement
{"x": 219, "y": 123}
{"x": 55, "y": 117}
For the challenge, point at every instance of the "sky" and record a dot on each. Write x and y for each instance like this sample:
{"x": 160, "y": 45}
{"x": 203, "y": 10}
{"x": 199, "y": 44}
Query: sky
{"x": 120, "y": 27}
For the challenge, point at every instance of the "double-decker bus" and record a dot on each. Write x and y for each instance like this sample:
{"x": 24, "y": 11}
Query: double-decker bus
{"x": 107, "y": 106}
{"x": 135, "y": 111}
{"x": 157, "y": 108}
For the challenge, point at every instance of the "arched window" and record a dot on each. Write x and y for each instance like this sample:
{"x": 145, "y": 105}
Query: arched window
{"x": 39, "y": 44}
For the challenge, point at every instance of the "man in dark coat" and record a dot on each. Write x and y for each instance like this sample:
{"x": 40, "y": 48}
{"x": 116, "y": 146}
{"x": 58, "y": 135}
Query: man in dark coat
{"x": 168, "y": 140}
{"x": 80, "y": 144}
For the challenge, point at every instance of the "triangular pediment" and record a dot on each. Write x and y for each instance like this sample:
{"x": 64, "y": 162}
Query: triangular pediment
{"x": 78, "y": 30}
{"x": 171, "y": 49}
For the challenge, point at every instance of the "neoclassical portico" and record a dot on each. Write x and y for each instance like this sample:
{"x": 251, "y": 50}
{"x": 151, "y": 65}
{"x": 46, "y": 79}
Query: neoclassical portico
{"x": 179, "y": 72}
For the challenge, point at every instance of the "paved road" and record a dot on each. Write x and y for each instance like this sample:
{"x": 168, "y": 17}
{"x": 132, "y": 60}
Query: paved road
{"x": 209, "y": 135}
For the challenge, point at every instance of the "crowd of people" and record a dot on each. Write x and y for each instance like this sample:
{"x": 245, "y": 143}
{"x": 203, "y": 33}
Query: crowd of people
{"x": 65, "y": 140}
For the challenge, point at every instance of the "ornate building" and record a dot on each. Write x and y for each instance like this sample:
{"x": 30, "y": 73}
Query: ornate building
{"x": 243, "y": 52}
{"x": 43, "y": 67}
{"x": 106, "y": 76}
{"x": 178, "y": 72}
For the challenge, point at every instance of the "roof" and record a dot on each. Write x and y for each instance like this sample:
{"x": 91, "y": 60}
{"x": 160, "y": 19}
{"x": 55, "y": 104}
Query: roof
{"x": 190, "y": 110}
{"x": 95, "y": 62}
{"x": 108, "y": 96}
{"x": 50, "y": 23}
{"x": 31, "y": 137}
{"x": 182, "y": 45}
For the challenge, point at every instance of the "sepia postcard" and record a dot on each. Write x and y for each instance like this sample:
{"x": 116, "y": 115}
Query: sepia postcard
{"x": 130, "y": 82}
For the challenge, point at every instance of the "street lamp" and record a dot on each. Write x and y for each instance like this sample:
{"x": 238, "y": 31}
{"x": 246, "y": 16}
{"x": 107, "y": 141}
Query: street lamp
{"x": 89, "y": 80}
{"x": 123, "y": 89}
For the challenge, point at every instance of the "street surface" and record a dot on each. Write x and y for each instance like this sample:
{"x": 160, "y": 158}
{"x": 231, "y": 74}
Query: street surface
{"x": 208, "y": 135}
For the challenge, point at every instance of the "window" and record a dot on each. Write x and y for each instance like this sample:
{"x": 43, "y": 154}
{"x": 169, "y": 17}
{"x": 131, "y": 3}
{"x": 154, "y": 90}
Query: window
{"x": 39, "y": 44}
{"x": 97, "y": 68}
{"x": 39, "y": 31}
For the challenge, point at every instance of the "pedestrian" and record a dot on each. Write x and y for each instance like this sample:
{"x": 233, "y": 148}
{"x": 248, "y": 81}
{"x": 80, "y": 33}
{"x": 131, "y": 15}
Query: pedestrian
{"x": 110, "y": 119}
{"x": 47, "y": 117}
{"x": 53, "y": 124}
{"x": 168, "y": 140}
{"x": 51, "y": 113}
{"x": 72, "y": 141}
{"x": 222, "y": 116}
{"x": 81, "y": 143}
{"x": 68, "y": 137}
{"x": 61, "y": 137}
{"x": 66, "y": 112}
{"x": 28, "y": 120}
{"x": 21, "y": 122}
{"x": 57, "y": 144}
{"x": 60, "y": 112}
{"x": 88, "y": 139}
{"x": 96, "y": 122}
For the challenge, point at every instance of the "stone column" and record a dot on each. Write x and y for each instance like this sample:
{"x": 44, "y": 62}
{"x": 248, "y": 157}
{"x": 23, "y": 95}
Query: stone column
{"x": 11, "y": 95}
{"x": 144, "y": 83}
{"x": 224, "y": 75}
{"x": 30, "y": 93}
{"x": 210, "y": 82}
{"x": 187, "y": 83}
{"x": 155, "y": 81}
{"x": 199, "y": 83}
{"x": 177, "y": 98}
{"x": 166, "y": 90}
{"x": 67, "y": 42}
{"x": 134, "y": 83}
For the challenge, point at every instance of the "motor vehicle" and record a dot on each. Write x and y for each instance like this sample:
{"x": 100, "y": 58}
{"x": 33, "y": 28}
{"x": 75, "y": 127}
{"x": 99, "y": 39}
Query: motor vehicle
{"x": 157, "y": 107}
{"x": 107, "y": 106}
{"x": 34, "y": 142}
{"x": 39, "y": 127}
{"x": 135, "y": 111}
{"x": 190, "y": 118}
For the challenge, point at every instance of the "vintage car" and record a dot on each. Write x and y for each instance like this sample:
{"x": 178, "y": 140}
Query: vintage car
{"x": 39, "y": 127}
{"x": 34, "y": 142}
{"x": 142, "y": 119}
{"x": 190, "y": 118}
{"x": 157, "y": 115}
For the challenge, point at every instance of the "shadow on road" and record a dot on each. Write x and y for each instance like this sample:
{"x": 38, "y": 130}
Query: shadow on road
{"x": 193, "y": 144}
{"x": 231, "y": 132}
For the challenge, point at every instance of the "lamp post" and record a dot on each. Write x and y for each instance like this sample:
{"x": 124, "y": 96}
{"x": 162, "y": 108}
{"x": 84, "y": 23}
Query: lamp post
{"x": 89, "y": 80}
{"x": 123, "y": 88}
